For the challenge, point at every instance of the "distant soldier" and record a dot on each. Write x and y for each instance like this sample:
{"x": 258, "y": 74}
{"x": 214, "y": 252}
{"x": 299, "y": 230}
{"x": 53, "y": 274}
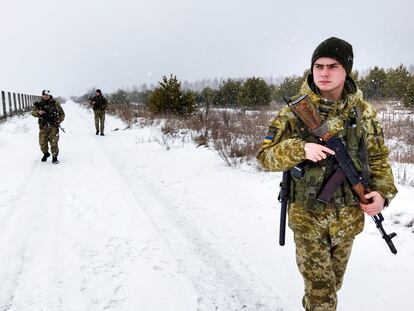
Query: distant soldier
{"x": 50, "y": 114}
{"x": 99, "y": 104}
{"x": 324, "y": 232}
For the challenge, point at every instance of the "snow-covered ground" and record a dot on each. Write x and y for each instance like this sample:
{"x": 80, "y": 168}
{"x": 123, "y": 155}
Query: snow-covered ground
{"x": 122, "y": 223}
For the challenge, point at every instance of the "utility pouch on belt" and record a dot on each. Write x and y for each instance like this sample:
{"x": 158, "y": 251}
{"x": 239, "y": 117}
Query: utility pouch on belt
{"x": 305, "y": 186}
{"x": 314, "y": 178}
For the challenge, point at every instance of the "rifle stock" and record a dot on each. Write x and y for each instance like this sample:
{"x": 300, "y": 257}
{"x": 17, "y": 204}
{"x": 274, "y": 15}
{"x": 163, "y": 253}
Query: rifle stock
{"x": 308, "y": 113}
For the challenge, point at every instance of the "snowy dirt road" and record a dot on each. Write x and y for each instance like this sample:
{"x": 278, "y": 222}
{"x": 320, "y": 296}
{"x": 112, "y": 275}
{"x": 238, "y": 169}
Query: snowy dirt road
{"x": 122, "y": 223}
{"x": 81, "y": 236}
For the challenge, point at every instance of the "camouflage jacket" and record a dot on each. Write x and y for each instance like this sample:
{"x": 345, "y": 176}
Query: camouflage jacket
{"x": 99, "y": 102}
{"x": 283, "y": 149}
{"x": 54, "y": 113}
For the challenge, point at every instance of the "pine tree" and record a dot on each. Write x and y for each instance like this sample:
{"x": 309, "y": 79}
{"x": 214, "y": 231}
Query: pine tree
{"x": 227, "y": 93}
{"x": 169, "y": 98}
{"x": 254, "y": 92}
{"x": 207, "y": 97}
{"x": 373, "y": 84}
{"x": 408, "y": 98}
{"x": 397, "y": 82}
{"x": 288, "y": 88}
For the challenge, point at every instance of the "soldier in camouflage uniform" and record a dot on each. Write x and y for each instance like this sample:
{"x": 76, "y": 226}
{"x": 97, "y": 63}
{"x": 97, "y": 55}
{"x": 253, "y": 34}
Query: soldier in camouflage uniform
{"x": 50, "y": 114}
{"x": 99, "y": 104}
{"x": 324, "y": 233}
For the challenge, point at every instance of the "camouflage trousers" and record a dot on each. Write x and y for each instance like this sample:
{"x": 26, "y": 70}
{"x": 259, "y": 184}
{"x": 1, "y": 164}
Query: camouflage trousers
{"x": 322, "y": 267}
{"x": 323, "y": 239}
{"x": 99, "y": 120}
{"x": 49, "y": 135}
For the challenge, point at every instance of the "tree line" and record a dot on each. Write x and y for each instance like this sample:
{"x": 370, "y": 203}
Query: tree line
{"x": 395, "y": 84}
{"x": 171, "y": 96}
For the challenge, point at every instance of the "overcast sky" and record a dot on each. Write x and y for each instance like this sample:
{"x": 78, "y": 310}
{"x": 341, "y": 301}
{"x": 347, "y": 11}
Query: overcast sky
{"x": 70, "y": 46}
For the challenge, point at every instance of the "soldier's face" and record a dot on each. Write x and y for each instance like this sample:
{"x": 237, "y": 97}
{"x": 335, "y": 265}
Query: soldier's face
{"x": 329, "y": 76}
{"x": 46, "y": 97}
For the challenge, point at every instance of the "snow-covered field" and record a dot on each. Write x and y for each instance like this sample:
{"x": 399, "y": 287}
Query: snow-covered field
{"x": 124, "y": 224}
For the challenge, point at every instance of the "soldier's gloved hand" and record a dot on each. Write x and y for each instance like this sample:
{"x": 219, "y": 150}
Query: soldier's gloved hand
{"x": 41, "y": 112}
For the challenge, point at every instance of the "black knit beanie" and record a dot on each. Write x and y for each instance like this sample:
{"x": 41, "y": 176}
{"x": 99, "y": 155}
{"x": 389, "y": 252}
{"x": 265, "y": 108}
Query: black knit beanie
{"x": 337, "y": 49}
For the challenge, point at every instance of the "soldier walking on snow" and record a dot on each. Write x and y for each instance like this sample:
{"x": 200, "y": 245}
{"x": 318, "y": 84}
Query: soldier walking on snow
{"x": 50, "y": 115}
{"x": 324, "y": 232}
{"x": 99, "y": 104}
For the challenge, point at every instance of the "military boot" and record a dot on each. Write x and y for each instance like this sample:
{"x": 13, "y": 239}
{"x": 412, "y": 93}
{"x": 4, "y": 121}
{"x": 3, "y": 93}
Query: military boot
{"x": 45, "y": 156}
{"x": 55, "y": 159}
{"x": 97, "y": 132}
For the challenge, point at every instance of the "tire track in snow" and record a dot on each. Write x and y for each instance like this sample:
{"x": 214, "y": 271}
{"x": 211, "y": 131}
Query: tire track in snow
{"x": 22, "y": 231}
{"x": 222, "y": 281}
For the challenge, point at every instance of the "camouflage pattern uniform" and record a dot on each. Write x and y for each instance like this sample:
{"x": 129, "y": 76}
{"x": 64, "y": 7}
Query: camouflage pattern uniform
{"x": 48, "y": 129}
{"x": 99, "y": 106}
{"x": 324, "y": 233}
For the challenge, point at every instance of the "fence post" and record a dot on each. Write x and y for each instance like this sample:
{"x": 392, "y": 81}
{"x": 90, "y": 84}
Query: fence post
{"x": 15, "y": 102}
{"x": 19, "y": 100}
{"x": 10, "y": 103}
{"x": 3, "y": 99}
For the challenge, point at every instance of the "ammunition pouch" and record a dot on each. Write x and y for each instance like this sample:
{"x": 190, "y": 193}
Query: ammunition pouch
{"x": 305, "y": 190}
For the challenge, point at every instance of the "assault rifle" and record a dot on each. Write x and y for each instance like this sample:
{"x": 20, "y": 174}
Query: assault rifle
{"x": 283, "y": 199}
{"x": 49, "y": 117}
{"x": 309, "y": 115}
